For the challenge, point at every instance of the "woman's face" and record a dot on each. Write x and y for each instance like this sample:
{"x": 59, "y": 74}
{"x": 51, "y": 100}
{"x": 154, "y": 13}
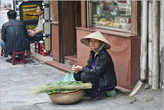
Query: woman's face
{"x": 39, "y": 11}
{"x": 94, "y": 44}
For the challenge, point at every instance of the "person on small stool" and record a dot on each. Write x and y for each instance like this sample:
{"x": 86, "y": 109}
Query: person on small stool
{"x": 14, "y": 35}
{"x": 100, "y": 68}
{"x": 37, "y": 33}
{"x": 3, "y": 48}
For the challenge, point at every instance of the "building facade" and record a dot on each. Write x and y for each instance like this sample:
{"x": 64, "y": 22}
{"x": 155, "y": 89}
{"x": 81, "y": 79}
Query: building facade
{"x": 119, "y": 21}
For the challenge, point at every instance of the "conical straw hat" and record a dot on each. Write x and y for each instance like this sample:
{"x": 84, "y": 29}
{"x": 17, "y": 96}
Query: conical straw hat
{"x": 97, "y": 36}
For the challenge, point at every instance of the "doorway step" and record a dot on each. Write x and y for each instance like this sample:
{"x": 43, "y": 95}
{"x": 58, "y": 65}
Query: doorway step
{"x": 72, "y": 60}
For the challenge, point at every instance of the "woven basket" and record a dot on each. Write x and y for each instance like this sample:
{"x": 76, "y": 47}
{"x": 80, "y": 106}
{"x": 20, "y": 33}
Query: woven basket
{"x": 67, "y": 98}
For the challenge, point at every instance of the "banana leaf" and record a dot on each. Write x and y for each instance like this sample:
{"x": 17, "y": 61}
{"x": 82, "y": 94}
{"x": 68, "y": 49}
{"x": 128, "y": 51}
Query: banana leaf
{"x": 61, "y": 86}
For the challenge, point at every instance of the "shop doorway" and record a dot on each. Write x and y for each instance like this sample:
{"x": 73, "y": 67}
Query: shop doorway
{"x": 69, "y": 20}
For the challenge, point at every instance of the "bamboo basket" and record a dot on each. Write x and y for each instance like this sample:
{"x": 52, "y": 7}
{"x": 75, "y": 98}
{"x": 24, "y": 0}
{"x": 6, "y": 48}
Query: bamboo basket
{"x": 68, "y": 97}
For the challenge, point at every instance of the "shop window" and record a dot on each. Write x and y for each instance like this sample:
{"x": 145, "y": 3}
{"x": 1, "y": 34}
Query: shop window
{"x": 114, "y": 14}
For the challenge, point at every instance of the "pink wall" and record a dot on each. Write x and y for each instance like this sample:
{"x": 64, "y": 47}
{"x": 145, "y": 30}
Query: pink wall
{"x": 125, "y": 52}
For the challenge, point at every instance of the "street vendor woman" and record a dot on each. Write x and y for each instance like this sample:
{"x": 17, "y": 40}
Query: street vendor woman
{"x": 100, "y": 68}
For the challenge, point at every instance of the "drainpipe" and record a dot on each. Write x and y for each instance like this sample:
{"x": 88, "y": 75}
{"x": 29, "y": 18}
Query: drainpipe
{"x": 144, "y": 45}
{"x": 155, "y": 33}
{"x": 162, "y": 42}
{"x": 162, "y": 69}
{"x": 150, "y": 46}
{"x": 162, "y": 25}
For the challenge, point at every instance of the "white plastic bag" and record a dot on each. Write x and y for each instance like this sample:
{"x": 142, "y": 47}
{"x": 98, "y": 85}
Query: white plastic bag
{"x": 69, "y": 77}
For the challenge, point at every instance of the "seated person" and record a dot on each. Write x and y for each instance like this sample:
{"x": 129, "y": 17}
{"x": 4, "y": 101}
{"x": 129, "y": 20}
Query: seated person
{"x": 3, "y": 47}
{"x": 36, "y": 34}
{"x": 100, "y": 68}
{"x": 14, "y": 35}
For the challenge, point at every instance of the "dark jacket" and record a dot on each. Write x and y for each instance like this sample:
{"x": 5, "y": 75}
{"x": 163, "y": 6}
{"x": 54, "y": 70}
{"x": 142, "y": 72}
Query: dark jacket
{"x": 104, "y": 69}
{"x": 14, "y": 35}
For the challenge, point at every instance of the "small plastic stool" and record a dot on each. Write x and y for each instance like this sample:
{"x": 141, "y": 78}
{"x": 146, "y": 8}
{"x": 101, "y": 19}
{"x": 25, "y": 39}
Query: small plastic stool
{"x": 2, "y": 52}
{"x": 37, "y": 47}
{"x": 14, "y": 61}
{"x": 111, "y": 93}
{"x": 41, "y": 43}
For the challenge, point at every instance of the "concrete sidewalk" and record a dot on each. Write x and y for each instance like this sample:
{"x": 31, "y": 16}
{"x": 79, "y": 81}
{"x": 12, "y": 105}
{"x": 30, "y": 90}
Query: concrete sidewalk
{"x": 16, "y": 83}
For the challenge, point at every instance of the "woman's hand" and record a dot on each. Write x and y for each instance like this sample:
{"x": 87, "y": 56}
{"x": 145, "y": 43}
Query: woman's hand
{"x": 31, "y": 33}
{"x": 76, "y": 69}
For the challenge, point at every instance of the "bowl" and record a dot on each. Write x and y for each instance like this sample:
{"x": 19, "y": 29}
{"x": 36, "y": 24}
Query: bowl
{"x": 125, "y": 26}
{"x": 68, "y": 97}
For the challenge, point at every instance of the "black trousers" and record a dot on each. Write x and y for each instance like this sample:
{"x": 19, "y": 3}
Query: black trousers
{"x": 92, "y": 78}
{"x": 37, "y": 38}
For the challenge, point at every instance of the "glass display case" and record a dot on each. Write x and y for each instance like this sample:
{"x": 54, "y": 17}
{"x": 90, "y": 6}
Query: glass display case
{"x": 114, "y": 14}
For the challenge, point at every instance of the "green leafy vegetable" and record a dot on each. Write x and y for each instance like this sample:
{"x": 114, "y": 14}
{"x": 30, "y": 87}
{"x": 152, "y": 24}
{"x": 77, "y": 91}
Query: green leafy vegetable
{"x": 61, "y": 87}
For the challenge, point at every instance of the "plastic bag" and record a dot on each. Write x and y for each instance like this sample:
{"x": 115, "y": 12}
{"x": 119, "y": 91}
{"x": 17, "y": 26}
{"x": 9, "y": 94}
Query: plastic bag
{"x": 69, "y": 77}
